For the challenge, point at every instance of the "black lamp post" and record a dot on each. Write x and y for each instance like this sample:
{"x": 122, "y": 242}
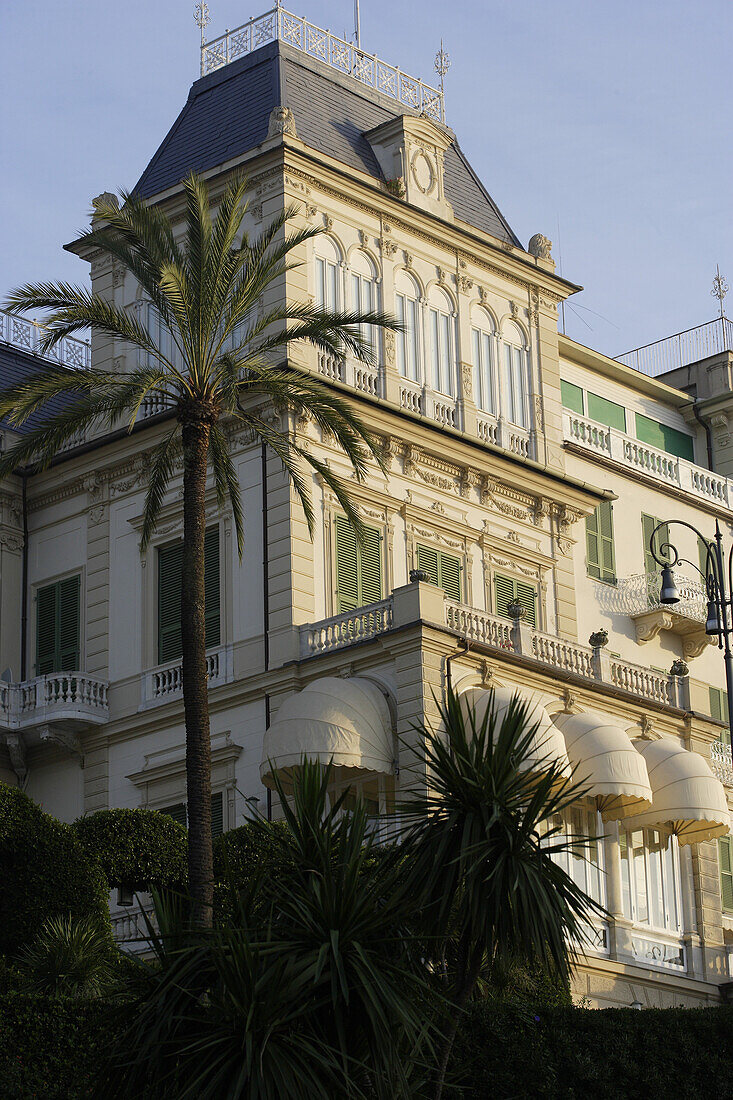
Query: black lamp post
{"x": 719, "y": 618}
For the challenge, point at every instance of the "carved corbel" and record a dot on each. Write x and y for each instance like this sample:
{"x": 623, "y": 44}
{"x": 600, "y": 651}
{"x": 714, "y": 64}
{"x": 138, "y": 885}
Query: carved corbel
{"x": 18, "y": 762}
{"x": 52, "y": 735}
{"x": 541, "y": 511}
{"x": 411, "y": 459}
{"x": 648, "y": 733}
{"x": 470, "y": 479}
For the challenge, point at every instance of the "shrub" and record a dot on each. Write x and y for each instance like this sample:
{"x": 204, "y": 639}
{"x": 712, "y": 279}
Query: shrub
{"x": 72, "y": 957}
{"x": 239, "y": 855}
{"x": 135, "y": 848}
{"x": 44, "y": 873}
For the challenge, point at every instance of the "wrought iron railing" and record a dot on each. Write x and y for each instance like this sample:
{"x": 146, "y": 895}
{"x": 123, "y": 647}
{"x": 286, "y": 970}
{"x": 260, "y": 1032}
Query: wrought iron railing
{"x": 26, "y": 335}
{"x": 640, "y": 593}
{"x": 338, "y": 53}
{"x": 681, "y": 349}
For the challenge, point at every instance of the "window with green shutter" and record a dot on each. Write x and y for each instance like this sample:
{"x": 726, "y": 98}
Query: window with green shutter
{"x": 648, "y": 524}
{"x": 58, "y": 612}
{"x": 606, "y": 412}
{"x": 507, "y": 590}
{"x": 600, "y": 556}
{"x": 179, "y": 813}
{"x": 676, "y": 443}
{"x": 170, "y": 567}
{"x": 443, "y": 570}
{"x": 358, "y": 566}
{"x": 571, "y": 396}
{"x": 702, "y": 554}
{"x": 719, "y": 710}
{"x": 725, "y": 851}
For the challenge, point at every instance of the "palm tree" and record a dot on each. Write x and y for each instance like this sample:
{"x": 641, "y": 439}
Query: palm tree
{"x": 483, "y": 854}
{"x": 227, "y": 359}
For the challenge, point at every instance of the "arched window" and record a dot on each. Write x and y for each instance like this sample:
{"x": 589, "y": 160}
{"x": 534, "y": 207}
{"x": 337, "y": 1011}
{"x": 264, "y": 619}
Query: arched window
{"x": 440, "y": 320}
{"x": 407, "y": 341}
{"x": 515, "y": 376}
{"x": 327, "y": 270}
{"x": 364, "y": 292}
{"x": 483, "y": 345}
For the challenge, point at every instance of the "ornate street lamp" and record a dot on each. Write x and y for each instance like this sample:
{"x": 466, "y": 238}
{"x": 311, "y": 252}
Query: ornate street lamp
{"x": 719, "y": 618}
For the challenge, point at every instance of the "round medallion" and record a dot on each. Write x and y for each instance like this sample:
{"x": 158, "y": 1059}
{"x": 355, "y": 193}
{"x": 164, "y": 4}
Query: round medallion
{"x": 422, "y": 171}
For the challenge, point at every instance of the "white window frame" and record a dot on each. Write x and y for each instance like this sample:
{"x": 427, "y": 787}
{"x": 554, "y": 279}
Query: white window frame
{"x": 442, "y": 349}
{"x": 483, "y": 345}
{"x": 515, "y": 369}
{"x": 657, "y": 867}
{"x": 407, "y": 310}
{"x": 364, "y": 299}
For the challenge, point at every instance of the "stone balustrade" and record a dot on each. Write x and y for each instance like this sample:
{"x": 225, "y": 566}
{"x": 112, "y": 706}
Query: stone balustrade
{"x": 55, "y": 697}
{"x": 164, "y": 683}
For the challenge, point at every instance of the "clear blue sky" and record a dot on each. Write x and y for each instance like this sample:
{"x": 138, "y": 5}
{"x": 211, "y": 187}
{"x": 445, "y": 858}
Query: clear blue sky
{"x": 609, "y": 118}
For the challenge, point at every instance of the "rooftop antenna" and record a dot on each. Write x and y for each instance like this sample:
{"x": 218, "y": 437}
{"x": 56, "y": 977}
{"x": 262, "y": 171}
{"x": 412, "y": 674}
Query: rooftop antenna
{"x": 442, "y": 64}
{"x": 720, "y": 289}
{"x": 357, "y": 25}
{"x": 202, "y": 19}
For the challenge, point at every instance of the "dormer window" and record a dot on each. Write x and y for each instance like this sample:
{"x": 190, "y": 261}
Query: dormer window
{"x": 440, "y": 318}
{"x": 407, "y": 342}
{"x": 516, "y": 376}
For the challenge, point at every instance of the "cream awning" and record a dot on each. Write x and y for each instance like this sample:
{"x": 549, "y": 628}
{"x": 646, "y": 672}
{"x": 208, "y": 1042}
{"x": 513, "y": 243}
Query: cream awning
{"x": 334, "y": 719}
{"x": 604, "y": 759}
{"x": 686, "y": 796}
{"x": 548, "y": 746}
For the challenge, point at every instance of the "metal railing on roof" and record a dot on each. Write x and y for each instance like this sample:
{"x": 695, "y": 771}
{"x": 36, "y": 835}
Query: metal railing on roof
{"x": 26, "y": 336}
{"x": 338, "y": 53}
{"x": 683, "y": 348}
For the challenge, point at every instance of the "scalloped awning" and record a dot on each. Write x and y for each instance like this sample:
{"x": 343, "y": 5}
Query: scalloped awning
{"x": 604, "y": 758}
{"x": 548, "y": 745}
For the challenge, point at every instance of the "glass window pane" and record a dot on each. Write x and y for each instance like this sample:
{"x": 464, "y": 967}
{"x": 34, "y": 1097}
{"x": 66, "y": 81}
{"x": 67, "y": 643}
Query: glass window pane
{"x": 488, "y": 372}
{"x": 508, "y": 390}
{"x": 402, "y": 337}
{"x": 445, "y": 354}
{"x": 626, "y": 876}
{"x": 478, "y": 395}
{"x": 640, "y": 876}
{"x": 656, "y": 895}
{"x": 412, "y": 338}
{"x": 434, "y": 347}
{"x": 331, "y": 304}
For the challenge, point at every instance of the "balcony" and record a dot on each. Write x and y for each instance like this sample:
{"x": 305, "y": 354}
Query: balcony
{"x": 164, "y": 683}
{"x": 26, "y": 336}
{"x": 424, "y": 602}
{"x": 721, "y": 763}
{"x": 638, "y": 597}
{"x": 71, "y": 697}
{"x": 631, "y": 453}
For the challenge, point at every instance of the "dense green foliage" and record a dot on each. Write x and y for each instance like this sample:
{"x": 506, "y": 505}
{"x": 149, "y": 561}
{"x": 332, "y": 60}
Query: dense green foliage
{"x": 69, "y": 956}
{"x": 135, "y": 848}
{"x": 52, "y": 1047}
{"x": 242, "y": 856}
{"x": 44, "y": 872}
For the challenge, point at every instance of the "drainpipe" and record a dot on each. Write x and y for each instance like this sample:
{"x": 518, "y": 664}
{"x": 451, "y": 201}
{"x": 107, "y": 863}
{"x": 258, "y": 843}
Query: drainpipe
{"x": 265, "y": 563}
{"x": 24, "y": 581}
{"x": 708, "y": 432}
{"x": 463, "y": 647}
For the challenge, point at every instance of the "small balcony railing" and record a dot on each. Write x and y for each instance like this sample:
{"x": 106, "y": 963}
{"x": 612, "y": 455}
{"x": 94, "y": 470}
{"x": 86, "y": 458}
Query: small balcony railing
{"x": 637, "y": 456}
{"x": 55, "y": 697}
{"x": 640, "y": 593}
{"x": 164, "y": 683}
{"x": 27, "y": 335}
{"x": 721, "y": 762}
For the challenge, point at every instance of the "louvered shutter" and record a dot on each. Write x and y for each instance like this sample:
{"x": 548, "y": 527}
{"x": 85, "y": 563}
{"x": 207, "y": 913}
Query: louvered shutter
{"x": 648, "y": 523}
{"x": 527, "y": 597}
{"x": 592, "y": 546}
{"x": 211, "y": 583}
{"x": 177, "y": 812}
{"x": 605, "y": 533}
{"x": 68, "y": 608}
{"x": 427, "y": 561}
{"x": 725, "y": 849}
{"x": 503, "y": 594}
{"x": 46, "y": 629}
{"x": 217, "y": 814}
{"x": 370, "y": 567}
{"x": 347, "y": 578}
{"x": 170, "y": 566}
{"x": 450, "y": 576}
{"x": 716, "y": 703}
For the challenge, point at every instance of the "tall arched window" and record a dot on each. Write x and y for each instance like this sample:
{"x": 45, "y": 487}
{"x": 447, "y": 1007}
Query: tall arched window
{"x": 515, "y": 378}
{"x": 483, "y": 345}
{"x": 364, "y": 292}
{"x": 327, "y": 273}
{"x": 442, "y": 354}
{"x": 407, "y": 342}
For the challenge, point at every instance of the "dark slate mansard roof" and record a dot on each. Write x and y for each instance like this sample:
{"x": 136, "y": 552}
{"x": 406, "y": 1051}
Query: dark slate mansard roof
{"x": 16, "y": 366}
{"x": 227, "y": 114}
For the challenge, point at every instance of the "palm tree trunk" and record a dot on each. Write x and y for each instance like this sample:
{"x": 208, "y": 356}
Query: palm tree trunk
{"x": 195, "y": 437}
{"x": 469, "y": 973}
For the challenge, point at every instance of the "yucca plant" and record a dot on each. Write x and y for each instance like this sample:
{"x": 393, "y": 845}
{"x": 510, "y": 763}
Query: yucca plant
{"x": 69, "y": 955}
{"x": 223, "y": 364}
{"x": 483, "y": 855}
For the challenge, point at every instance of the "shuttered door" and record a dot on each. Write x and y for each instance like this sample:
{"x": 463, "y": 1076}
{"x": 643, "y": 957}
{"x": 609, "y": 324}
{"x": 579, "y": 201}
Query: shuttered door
{"x": 217, "y": 814}
{"x": 170, "y": 568}
{"x": 725, "y": 849}
{"x": 443, "y": 570}
{"x": 506, "y": 590}
{"x": 58, "y": 626}
{"x": 648, "y": 523}
{"x": 600, "y": 554}
{"x": 358, "y": 566}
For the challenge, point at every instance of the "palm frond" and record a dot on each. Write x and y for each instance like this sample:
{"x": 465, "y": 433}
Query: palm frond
{"x": 226, "y": 480}
{"x": 162, "y": 465}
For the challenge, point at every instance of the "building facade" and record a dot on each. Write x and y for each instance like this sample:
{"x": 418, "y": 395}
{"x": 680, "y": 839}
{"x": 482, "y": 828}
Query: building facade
{"x": 507, "y": 535}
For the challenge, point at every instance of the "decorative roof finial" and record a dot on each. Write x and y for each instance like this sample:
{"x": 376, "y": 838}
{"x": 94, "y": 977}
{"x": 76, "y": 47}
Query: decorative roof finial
{"x": 720, "y": 288}
{"x": 201, "y": 18}
{"x": 442, "y": 64}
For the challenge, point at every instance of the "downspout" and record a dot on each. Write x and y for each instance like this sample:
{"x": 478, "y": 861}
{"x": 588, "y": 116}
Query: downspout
{"x": 265, "y": 563}
{"x": 24, "y": 581}
{"x": 708, "y": 432}
{"x": 463, "y": 647}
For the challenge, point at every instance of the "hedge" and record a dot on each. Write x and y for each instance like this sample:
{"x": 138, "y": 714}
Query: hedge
{"x": 135, "y": 848}
{"x": 611, "y": 1054}
{"x": 51, "y": 1048}
{"x": 44, "y": 872}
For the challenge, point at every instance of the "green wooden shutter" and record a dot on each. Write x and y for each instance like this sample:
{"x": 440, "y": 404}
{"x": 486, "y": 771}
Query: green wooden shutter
{"x": 725, "y": 850}
{"x": 592, "y": 546}
{"x": 648, "y": 523}
{"x": 347, "y": 571}
{"x": 211, "y": 584}
{"x": 427, "y": 561}
{"x": 664, "y": 438}
{"x": 217, "y": 814}
{"x": 443, "y": 570}
{"x": 68, "y": 605}
{"x": 177, "y": 812}
{"x": 719, "y": 710}
{"x": 507, "y": 590}
{"x": 572, "y": 396}
{"x": 46, "y": 629}
{"x": 358, "y": 566}
{"x": 170, "y": 565}
{"x": 600, "y": 553}
{"x": 606, "y": 412}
